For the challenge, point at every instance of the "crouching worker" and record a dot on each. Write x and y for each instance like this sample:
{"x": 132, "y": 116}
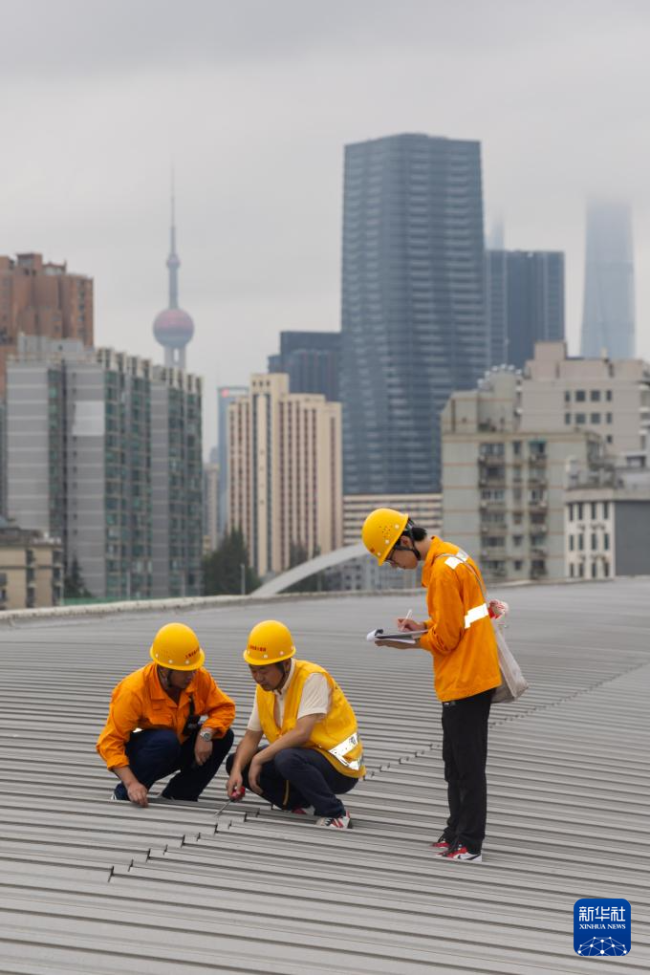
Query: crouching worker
{"x": 153, "y": 726}
{"x": 315, "y": 754}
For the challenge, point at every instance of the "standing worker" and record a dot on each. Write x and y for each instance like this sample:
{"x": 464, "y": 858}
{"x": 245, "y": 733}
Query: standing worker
{"x": 315, "y": 754}
{"x": 153, "y": 726}
{"x": 461, "y": 641}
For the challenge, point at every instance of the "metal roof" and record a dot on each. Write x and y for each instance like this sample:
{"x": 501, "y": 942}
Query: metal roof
{"x": 90, "y": 886}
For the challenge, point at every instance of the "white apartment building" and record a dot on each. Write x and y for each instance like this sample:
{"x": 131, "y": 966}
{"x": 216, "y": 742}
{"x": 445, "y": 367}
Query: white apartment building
{"x": 424, "y": 509}
{"x": 610, "y": 397}
{"x": 284, "y": 472}
{"x": 503, "y": 486}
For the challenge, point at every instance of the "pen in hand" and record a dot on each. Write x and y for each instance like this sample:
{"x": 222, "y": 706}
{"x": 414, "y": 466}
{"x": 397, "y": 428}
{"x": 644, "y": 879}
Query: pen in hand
{"x": 408, "y": 616}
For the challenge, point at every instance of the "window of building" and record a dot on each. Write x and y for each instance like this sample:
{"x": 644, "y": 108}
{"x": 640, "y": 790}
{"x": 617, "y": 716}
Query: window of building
{"x": 581, "y": 511}
{"x": 567, "y": 419}
{"x": 594, "y": 396}
{"x": 605, "y": 509}
{"x": 581, "y": 417}
{"x": 516, "y": 447}
{"x": 609, "y": 438}
{"x": 571, "y": 570}
{"x": 606, "y": 541}
{"x": 595, "y": 417}
{"x": 608, "y": 396}
{"x": 581, "y": 542}
{"x": 581, "y": 570}
{"x": 606, "y": 569}
{"x": 517, "y": 540}
{"x": 609, "y": 418}
{"x": 581, "y": 396}
{"x": 594, "y": 541}
{"x": 567, "y": 396}
{"x": 570, "y": 512}
{"x": 594, "y": 570}
{"x": 594, "y": 510}
{"x": 518, "y": 565}
{"x": 571, "y": 542}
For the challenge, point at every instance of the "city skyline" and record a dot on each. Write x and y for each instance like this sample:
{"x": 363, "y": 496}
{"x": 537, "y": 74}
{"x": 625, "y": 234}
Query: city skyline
{"x": 228, "y": 94}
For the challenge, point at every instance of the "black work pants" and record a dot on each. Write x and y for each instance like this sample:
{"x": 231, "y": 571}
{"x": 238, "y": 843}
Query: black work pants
{"x": 464, "y": 752}
{"x": 297, "y": 777}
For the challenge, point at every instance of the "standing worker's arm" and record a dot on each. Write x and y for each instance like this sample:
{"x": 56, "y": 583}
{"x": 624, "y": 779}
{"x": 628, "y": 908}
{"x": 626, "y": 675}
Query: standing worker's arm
{"x": 447, "y": 624}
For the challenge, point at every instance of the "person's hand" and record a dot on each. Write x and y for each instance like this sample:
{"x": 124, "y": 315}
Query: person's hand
{"x": 254, "y": 770}
{"x": 202, "y": 750}
{"x": 405, "y": 623}
{"x": 234, "y": 785}
{"x": 138, "y": 794}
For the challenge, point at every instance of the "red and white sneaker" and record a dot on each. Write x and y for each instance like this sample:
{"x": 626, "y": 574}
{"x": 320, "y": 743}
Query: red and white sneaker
{"x": 335, "y": 822}
{"x": 303, "y": 811}
{"x": 460, "y": 852}
{"x": 441, "y": 847}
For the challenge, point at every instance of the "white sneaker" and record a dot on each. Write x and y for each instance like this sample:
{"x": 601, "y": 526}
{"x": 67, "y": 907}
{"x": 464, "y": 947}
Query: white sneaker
{"x": 460, "y": 852}
{"x": 335, "y": 822}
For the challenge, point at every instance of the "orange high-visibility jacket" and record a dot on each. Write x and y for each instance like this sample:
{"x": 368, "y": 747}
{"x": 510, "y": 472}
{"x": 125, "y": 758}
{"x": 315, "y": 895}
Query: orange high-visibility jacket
{"x": 460, "y": 635}
{"x": 139, "y": 701}
{"x": 335, "y": 736}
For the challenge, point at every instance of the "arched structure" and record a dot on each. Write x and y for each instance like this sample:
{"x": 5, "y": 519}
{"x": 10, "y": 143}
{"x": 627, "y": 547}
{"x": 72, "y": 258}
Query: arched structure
{"x": 306, "y": 569}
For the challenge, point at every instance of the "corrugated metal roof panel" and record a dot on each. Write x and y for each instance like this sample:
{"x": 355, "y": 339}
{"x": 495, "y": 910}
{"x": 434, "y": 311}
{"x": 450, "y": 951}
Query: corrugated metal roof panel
{"x": 92, "y": 886}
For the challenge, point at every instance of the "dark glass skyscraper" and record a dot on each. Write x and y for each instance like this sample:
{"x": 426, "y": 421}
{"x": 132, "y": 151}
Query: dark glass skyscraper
{"x": 608, "y": 322}
{"x": 312, "y": 360}
{"x": 413, "y": 317}
{"x": 525, "y": 301}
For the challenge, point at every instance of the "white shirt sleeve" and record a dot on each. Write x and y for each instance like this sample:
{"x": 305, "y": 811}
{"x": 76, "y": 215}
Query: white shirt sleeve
{"x": 254, "y": 723}
{"x": 315, "y": 698}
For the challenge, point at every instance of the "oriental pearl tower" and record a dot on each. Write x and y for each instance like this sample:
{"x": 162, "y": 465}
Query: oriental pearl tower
{"x": 173, "y": 328}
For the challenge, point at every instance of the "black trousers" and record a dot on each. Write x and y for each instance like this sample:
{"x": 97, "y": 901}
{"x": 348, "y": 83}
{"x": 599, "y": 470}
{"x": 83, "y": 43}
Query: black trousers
{"x": 301, "y": 777}
{"x": 464, "y": 752}
{"x": 156, "y": 753}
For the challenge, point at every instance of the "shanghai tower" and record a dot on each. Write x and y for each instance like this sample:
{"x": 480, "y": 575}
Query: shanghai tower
{"x": 608, "y": 315}
{"x": 413, "y": 315}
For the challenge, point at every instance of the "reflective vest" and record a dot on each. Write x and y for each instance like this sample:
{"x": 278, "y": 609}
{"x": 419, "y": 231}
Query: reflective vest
{"x": 335, "y": 736}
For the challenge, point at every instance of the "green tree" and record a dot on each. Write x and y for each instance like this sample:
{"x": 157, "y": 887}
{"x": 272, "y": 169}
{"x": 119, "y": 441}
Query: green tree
{"x": 74, "y": 586}
{"x": 222, "y": 569}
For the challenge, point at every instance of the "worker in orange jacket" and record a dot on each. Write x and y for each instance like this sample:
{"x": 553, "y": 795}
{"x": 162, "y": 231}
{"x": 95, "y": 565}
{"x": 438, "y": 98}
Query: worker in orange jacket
{"x": 154, "y": 724}
{"x": 460, "y": 638}
{"x": 314, "y": 753}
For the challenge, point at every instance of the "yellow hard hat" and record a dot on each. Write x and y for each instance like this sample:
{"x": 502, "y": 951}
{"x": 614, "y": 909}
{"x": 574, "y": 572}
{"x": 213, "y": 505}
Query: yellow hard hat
{"x": 177, "y": 647}
{"x": 269, "y": 643}
{"x": 382, "y": 530}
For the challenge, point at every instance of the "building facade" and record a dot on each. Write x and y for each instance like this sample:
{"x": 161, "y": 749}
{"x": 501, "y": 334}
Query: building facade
{"x": 113, "y": 467}
{"x": 525, "y": 303}
{"x": 312, "y": 360}
{"x": 211, "y": 527}
{"x": 503, "y": 485}
{"x": 413, "y": 310}
{"x": 31, "y": 568}
{"x": 609, "y": 397}
{"x": 41, "y": 299}
{"x": 424, "y": 509}
{"x": 284, "y": 470}
{"x": 608, "y": 321}
{"x": 225, "y": 396}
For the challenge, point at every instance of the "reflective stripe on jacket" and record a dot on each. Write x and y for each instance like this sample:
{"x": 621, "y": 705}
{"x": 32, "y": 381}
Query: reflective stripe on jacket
{"x": 335, "y": 736}
{"x": 460, "y": 638}
{"x": 139, "y": 701}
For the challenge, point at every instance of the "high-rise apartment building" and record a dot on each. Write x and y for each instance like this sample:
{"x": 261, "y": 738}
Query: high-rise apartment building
{"x": 312, "y": 360}
{"x": 211, "y": 532}
{"x": 42, "y": 299}
{"x": 608, "y": 321}
{"x": 503, "y": 484}
{"x": 83, "y": 430}
{"x": 413, "y": 309}
{"x": 225, "y": 396}
{"x": 285, "y": 472}
{"x": 525, "y": 303}
{"x": 609, "y": 397}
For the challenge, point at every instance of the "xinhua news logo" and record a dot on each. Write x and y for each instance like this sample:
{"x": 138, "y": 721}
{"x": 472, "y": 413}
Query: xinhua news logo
{"x": 602, "y": 926}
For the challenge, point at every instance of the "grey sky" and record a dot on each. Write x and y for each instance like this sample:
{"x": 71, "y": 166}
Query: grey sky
{"x": 254, "y": 101}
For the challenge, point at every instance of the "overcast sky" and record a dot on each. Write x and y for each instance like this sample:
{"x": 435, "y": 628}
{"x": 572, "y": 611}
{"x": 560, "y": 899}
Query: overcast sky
{"x": 254, "y": 100}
